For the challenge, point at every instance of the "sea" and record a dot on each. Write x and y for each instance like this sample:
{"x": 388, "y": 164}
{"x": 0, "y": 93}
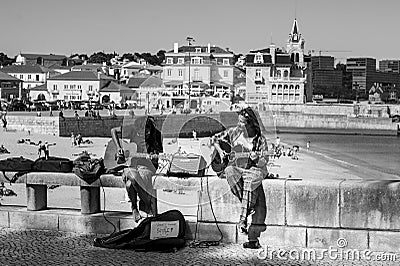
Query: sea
{"x": 376, "y": 157}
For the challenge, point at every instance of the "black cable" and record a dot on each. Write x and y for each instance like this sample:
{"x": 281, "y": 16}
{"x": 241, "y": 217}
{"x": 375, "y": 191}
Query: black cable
{"x": 205, "y": 243}
{"x": 104, "y": 207}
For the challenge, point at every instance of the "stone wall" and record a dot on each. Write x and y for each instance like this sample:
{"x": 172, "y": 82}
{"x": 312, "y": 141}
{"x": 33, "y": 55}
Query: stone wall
{"x": 313, "y": 213}
{"x": 207, "y": 124}
{"x": 40, "y": 125}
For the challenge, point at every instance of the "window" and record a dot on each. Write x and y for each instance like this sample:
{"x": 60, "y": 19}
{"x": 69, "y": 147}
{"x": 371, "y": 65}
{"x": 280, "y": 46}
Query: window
{"x": 180, "y": 72}
{"x": 65, "y": 87}
{"x": 29, "y": 77}
{"x": 196, "y": 75}
{"x": 55, "y": 87}
{"x": 198, "y": 50}
{"x": 225, "y": 62}
{"x": 225, "y": 73}
{"x": 90, "y": 87}
{"x": 197, "y": 61}
{"x": 258, "y": 58}
{"x": 170, "y": 60}
{"x": 258, "y": 74}
{"x": 79, "y": 87}
{"x": 21, "y": 76}
{"x": 37, "y": 77}
{"x": 72, "y": 87}
{"x": 169, "y": 72}
{"x": 180, "y": 61}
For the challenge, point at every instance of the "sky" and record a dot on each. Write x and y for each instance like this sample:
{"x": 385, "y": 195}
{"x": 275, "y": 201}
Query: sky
{"x": 345, "y": 28}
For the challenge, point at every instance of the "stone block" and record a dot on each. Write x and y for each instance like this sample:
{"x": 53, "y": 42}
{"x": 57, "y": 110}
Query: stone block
{"x": 94, "y": 223}
{"x": 127, "y": 222}
{"x": 370, "y": 204}
{"x": 384, "y": 241}
{"x": 337, "y": 238}
{"x": 275, "y": 199}
{"x": 218, "y": 199}
{"x": 4, "y": 219}
{"x": 283, "y": 236}
{"x": 209, "y": 231}
{"x": 313, "y": 203}
{"x": 40, "y": 220}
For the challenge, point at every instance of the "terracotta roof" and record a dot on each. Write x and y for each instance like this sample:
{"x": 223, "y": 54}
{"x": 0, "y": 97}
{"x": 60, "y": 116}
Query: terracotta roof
{"x": 44, "y": 56}
{"x": 135, "y": 82}
{"x": 152, "y": 82}
{"x": 42, "y": 87}
{"x": 76, "y": 75}
{"x": 113, "y": 86}
{"x": 192, "y": 48}
{"x": 6, "y": 77}
{"x": 25, "y": 69}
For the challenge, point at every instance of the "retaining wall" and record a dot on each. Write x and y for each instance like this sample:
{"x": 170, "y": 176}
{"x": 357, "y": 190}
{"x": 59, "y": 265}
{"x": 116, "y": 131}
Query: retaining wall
{"x": 182, "y": 125}
{"x": 300, "y": 213}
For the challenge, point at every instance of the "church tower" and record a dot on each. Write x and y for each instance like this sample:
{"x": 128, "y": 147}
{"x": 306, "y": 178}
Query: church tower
{"x": 295, "y": 45}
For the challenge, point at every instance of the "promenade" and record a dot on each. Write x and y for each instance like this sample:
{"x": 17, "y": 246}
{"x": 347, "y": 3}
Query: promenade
{"x": 33, "y": 247}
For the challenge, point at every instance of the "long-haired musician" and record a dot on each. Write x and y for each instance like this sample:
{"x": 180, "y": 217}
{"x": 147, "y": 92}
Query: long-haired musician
{"x": 138, "y": 177}
{"x": 245, "y": 177}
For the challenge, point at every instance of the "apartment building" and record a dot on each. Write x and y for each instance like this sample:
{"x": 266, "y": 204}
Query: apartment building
{"x": 274, "y": 75}
{"x": 31, "y": 75}
{"x": 10, "y": 87}
{"x": 200, "y": 70}
{"x": 74, "y": 86}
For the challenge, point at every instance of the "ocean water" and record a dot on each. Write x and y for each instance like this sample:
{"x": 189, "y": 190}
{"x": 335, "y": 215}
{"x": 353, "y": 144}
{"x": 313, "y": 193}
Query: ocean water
{"x": 377, "y": 156}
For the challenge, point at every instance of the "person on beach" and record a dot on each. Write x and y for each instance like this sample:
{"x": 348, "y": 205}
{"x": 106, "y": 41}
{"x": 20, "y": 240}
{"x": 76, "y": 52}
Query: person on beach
{"x": 138, "y": 176}
{"x": 245, "y": 179}
{"x": 47, "y": 149}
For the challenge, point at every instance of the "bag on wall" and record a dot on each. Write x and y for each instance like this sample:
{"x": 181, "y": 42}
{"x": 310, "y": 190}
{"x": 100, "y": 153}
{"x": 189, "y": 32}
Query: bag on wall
{"x": 53, "y": 164}
{"x": 20, "y": 165}
{"x": 88, "y": 169}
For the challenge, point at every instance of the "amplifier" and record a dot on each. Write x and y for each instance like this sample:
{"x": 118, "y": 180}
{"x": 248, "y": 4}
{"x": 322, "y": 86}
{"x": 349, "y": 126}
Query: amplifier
{"x": 187, "y": 165}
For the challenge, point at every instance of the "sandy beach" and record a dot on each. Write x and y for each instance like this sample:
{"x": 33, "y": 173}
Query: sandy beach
{"x": 309, "y": 166}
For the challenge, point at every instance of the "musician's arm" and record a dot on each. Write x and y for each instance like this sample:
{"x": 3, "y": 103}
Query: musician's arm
{"x": 264, "y": 158}
{"x": 115, "y": 132}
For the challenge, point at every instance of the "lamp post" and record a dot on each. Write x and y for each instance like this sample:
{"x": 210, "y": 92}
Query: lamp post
{"x": 189, "y": 40}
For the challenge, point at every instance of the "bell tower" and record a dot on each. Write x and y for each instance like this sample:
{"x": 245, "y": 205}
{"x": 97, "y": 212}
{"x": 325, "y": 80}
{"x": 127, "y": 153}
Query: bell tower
{"x": 295, "y": 45}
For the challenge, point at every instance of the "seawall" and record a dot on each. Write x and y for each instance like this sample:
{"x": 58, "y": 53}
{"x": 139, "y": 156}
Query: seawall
{"x": 205, "y": 124}
{"x": 314, "y": 213}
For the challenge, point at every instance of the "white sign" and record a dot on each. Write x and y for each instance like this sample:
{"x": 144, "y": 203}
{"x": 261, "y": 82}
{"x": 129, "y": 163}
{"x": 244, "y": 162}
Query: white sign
{"x": 164, "y": 229}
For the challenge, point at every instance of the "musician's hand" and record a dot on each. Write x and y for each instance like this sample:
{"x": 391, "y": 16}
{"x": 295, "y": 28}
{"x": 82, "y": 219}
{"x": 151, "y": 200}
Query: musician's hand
{"x": 253, "y": 155}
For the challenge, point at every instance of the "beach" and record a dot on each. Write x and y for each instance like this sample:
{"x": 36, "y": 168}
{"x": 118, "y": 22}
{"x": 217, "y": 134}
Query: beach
{"x": 309, "y": 166}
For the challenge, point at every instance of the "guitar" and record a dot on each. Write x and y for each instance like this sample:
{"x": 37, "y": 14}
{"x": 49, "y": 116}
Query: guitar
{"x": 130, "y": 152}
{"x": 232, "y": 154}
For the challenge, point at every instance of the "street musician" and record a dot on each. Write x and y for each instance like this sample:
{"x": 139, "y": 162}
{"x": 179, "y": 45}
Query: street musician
{"x": 246, "y": 174}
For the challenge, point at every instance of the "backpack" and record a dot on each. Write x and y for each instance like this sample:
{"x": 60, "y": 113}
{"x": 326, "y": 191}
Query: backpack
{"x": 53, "y": 164}
{"x": 20, "y": 165}
{"x": 88, "y": 169}
{"x": 164, "y": 232}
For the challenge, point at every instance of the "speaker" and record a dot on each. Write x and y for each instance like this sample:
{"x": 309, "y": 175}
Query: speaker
{"x": 187, "y": 165}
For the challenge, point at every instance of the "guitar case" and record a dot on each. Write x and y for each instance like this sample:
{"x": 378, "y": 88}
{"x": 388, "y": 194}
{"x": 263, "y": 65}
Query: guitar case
{"x": 164, "y": 232}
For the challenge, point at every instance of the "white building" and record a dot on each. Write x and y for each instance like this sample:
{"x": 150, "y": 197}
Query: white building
{"x": 277, "y": 76}
{"x": 74, "y": 86}
{"x": 31, "y": 76}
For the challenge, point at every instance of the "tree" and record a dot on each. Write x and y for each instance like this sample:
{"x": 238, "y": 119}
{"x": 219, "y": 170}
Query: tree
{"x": 5, "y": 60}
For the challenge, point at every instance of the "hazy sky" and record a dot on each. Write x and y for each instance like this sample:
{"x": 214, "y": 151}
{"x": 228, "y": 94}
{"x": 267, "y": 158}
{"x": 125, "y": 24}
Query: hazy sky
{"x": 364, "y": 27}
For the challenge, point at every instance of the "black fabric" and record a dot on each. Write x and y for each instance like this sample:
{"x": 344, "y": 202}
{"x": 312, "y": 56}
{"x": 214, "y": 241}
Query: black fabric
{"x": 139, "y": 237}
{"x": 20, "y": 165}
{"x": 88, "y": 169}
{"x": 53, "y": 164}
